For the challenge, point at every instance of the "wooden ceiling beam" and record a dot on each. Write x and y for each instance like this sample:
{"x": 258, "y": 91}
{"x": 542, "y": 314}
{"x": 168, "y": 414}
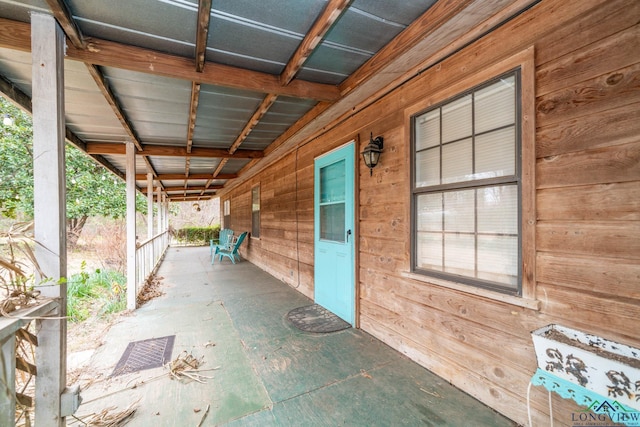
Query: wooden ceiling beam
{"x": 108, "y": 95}
{"x": 189, "y": 198}
{"x": 202, "y": 30}
{"x": 262, "y": 109}
{"x": 102, "y": 52}
{"x": 102, "y": 84}
{"x": 216, "y": 173}
{"x": 63, "y": 15}
{"x": 436, "y": 16}
{"x": 172, "y": 151}
{"x": 178, "y": 176}
{"x": 22, "y": 101}
{"x": 181, "y": 188}
{"x": 322, "y": 25}
{"x": 193, "y": 109}
{"x": 191, "y": 125}
{"x": 17, "y": 35}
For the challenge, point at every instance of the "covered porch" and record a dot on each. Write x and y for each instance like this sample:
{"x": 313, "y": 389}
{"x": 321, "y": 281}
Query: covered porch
{"x": 263, "y": 370}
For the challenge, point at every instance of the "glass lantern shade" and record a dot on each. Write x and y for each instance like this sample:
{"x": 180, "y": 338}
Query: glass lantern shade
{"x": 371, "y": 153}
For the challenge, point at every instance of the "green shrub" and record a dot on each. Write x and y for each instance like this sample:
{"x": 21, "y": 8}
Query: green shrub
{"x": 197, "y": 235}
{"x": 103, "y": 290}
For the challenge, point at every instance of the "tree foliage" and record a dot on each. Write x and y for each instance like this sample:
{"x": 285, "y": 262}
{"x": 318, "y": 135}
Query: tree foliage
{"x": 91, "y": 189}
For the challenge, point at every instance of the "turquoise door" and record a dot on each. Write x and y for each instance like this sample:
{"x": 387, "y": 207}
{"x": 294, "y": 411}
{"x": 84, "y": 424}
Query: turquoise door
{"x": 334, "y": 277}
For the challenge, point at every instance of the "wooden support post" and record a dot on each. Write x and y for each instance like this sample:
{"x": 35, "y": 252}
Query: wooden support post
{"x": 149, "y": 205}
{"x": 150, "y": 234}
{"x": 159, "y": 207}
{"x": 132, "y": 285}
{"x": 47, "y": 52}
{"x": 8, "y": 380}
{"x": 165, "y": 210}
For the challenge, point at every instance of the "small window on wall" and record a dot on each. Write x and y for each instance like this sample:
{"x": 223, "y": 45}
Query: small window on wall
{"x": 466, "y": 199}
{"x": 226, "y": 214}
{"x": 255, "y": 212}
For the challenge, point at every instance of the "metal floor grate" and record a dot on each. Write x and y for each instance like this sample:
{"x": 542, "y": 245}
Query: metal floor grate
{"x": 146, "y": 354}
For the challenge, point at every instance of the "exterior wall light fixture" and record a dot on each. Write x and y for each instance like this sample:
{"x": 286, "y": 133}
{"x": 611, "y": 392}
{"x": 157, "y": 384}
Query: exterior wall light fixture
{"x": 371, "y": 153}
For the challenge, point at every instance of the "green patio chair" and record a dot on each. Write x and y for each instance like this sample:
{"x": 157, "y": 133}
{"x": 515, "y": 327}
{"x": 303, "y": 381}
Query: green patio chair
{"x": 225, "y": 241}
{"x": 230, "y": 253}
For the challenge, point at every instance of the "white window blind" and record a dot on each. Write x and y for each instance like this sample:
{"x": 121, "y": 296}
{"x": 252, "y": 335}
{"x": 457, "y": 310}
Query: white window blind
{"x": 466, "y": 187}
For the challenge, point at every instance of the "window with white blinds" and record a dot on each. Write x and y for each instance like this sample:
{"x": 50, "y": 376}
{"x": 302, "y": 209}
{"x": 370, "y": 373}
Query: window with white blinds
{"x": 226, "y": 214}
{"x": 255, "y": 212}
{"x": 466, "y": 187}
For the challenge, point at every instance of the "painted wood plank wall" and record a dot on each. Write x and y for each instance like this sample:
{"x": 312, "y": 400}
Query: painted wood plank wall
{"x": 587, "y": 204}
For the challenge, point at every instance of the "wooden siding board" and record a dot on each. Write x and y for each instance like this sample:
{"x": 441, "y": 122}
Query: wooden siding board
{"x": 618, "y": 201}
{"x": 616, "y": 88}
{"x": 592, "y": 312}
{"x": 587, "y": 223}
{"x": 617, "y": 51}
{"x": 475, "y": 356}
{"x": 619, "y": 163}
{"x": 608, "y": 275}
{"x": 516, "y": 321}
{"x": 454, "y": 370}
{"x": 610, "y": 127}
{"x": 450, "y": 331}
{"x": 598, "y": 22}
{"x": 620, "y": 239}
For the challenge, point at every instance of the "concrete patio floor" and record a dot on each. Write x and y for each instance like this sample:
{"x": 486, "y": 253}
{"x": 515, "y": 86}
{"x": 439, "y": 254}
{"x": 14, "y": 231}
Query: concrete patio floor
{"x": 263, "y": 371}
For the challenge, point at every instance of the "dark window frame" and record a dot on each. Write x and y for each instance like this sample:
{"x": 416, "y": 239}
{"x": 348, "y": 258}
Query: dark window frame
{"x": 255, "y": 213}
{"x": 515, "y": 179}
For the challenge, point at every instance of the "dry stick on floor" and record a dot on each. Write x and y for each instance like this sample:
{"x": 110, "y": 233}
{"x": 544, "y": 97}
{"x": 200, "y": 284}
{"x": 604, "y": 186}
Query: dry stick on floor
{"x": 206, "y": 411}
{"x": 186, "y": 366}
{"x": 108, "y": 418}
{"x": 148, "y": 380}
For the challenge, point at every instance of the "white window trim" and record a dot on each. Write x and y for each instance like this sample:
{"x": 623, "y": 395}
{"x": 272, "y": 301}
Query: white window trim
{"x": 526, "y": 62}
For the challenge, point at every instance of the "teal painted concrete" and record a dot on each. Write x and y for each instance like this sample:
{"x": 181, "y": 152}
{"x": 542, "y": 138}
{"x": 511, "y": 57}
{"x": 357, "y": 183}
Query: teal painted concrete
{"x": 265, "y": 372}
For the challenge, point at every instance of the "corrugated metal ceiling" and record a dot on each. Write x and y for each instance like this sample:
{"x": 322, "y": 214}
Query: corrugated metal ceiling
{"x": 245, "y": 34}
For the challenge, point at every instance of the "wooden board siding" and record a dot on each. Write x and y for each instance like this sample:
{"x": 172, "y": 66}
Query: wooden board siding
{"x": 587, "y": 204}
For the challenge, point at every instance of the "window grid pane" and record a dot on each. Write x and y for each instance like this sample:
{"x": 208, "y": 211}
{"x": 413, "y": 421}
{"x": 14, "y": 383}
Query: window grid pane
{"x": 471, "y": 231}
{"x": 255, "y": 212}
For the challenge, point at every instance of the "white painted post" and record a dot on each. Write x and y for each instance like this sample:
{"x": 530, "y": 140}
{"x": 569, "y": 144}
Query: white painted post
{"x": 132, "y": 285}
{"x": 159, "y": 207}
{"x": 166, "y": 212}
{"x": 8, "y": 380}
{"x": 149, "y": 205}
{"x": 47, "y": 53}
{"x": 149, "y": 258}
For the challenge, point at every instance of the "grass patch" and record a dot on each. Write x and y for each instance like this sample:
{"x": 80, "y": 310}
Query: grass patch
{"x": 102, "y": 292}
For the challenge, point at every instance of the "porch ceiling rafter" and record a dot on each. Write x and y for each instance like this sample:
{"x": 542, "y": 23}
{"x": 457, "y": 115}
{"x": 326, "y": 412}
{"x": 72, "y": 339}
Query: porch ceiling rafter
{"x": 65, "y": 19}
{"x": 427, "y": 40}
{"x": 330, "y": 14}
{"x": 193, "y": 111}
{"x": 23, "y": 101}
{"x": 178, "y": 176}
{"x": 202, "y": 30}
{"x": 15, "y": 35}
{"x": 189, "y": 198}
{"x": 63, "y": 16}
{"x": 172, "y": 151}
{"x": 193, "y": 188}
